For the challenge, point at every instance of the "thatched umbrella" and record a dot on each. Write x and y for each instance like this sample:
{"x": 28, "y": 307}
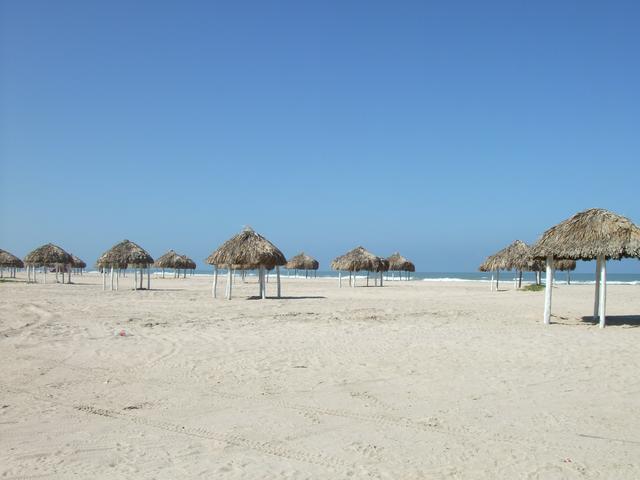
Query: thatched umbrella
{"x": 594, "y": 234}
{"x": 123, "y": 255}
{"x": 516, "y": 256}
{"x": 10, "y": 261}
{"x": 565, "y": 266}
{"x": 247, "y": 250}
{"x": 168, "y": 260}
{"x": 356, "y": 260}
{"x": 47, "y": 256}
{"x": 302, "y": 261}
{"x": 78, "y": 263}
{"x": 398, "y": 263}
{"x": 186, "y": 263}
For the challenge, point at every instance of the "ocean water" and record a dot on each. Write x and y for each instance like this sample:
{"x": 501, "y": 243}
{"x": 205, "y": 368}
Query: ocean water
{"x": 560, "y": 277}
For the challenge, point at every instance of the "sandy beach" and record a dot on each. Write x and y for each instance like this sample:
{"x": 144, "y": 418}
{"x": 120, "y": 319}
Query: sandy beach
{"x": 413, "y": 380}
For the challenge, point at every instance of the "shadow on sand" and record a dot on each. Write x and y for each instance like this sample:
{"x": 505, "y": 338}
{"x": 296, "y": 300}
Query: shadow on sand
{"x": 256, "y": 297}
{"x": 615, "y": 320}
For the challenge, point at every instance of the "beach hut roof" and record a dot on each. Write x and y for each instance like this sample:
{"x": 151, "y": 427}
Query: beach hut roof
{"x": 589, "y": 234}
{"x": 48, "y": 254}
{"x": 564, "y": 265}
{"x": 77, "y": 262}
{"x": 302, "y": 261}
{"x": 185, "y": 262}
{"x": 125, "y": 254}
{"x": 398, "y": 262}
{"x": 247, "y": 250}
{"x": 168, "y": 260}
{"x": 359, "y": 259}
{"x": 10, "y": 260}
{"x": 516, "y": 256}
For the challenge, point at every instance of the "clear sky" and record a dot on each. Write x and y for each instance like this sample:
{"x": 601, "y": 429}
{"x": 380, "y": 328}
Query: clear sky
{"x": 444, "y": 130}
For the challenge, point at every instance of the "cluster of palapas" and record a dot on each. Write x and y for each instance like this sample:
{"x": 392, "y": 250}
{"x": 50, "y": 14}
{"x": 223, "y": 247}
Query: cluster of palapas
{"x": 246, "y": 251}
{"x": 594, "y": 234}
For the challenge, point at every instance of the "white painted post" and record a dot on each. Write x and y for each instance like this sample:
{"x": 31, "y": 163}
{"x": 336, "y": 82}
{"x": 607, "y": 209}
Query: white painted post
{"x": 135, "y": 278}
{"x": 596, "y": 301}
{"x": 339, "y": 279}
{"x": 104, "y": 279}
{"x": 278, "y": 278}
{"x": 603, "y": 290}
{"x": 264, "y": 286}
{"x": 354, "y": 280}
{"x": 215, "y": 282}
{"x": 111, "y": 277}
{"x": 117, "y": 279}
{"x": 229, "y": 282}
{"x": 547, "y": 290}
{"x": 492, "y": 280}
{"x": 148, "y": 277}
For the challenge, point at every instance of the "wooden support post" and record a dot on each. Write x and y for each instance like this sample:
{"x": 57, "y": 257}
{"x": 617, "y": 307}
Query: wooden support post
{"x": 278, "y": 278}
{"x": 596, "y": 301}
{"x": 148, "y": 277}
{"x": 603, "y": 291}
{"x": 547, "y": 290}
{"x": 229, "y": 282}
{"x": 264, "y": 286}
{"x": 381, "y": 275}
{"x": 497, "y": 280}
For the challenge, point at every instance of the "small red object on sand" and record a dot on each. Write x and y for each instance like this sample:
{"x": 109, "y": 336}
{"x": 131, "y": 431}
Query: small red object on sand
{"x": 123, "y": 333}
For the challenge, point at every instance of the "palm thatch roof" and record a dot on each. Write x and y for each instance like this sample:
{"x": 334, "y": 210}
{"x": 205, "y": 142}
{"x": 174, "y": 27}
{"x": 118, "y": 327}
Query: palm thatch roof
{"x": 10, "y": 260}
{"x": 48, "y": 254}
{"x": 247, "y": 250}
{"x": 516, "y": 256}
{"x": 185, "y": 262}
{"x": 168, "y": 260}
{"x": 359, "y": 259}
{"x": 398, "y": 262}
{"x": 77, "y": 262}
{"x": 125, "y": 254}
{"x": 302, "y": 261}
{"x": 564, "y": 265}
{"x": 589, "y": 234}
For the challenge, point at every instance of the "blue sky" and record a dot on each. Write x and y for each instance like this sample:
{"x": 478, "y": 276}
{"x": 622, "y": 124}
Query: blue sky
{"x": 432, "y": 128}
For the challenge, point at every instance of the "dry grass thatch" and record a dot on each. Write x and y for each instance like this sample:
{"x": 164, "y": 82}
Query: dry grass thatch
{"x": 360, "y": 259}
{"x": 516, "y": 256}
{"x": 302, "y": 261}
{"x": 10, "y": 260}
{"x": 564, "y": 265}
{"x": 48, "y": 255}
{"x": 398, "y": 263}
{"x": 247, "y": 250}
{"x": 186, "y": 263}
{"x": 589, "y": 234}
{"x": 77, "y": 262}
{"x": 124, "y": 255}
{"x": 168, "y": 260}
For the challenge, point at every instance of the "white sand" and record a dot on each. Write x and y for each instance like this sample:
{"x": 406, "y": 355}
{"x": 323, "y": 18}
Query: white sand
{"x": 414, "y": 380}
